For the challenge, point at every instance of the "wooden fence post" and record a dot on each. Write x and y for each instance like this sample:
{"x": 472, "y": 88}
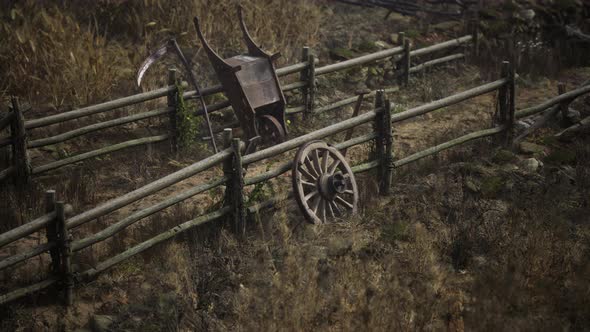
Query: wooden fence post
{"x": 239, "y": 211}
{"x": 311, "y": 83}
{"x": 400, "y": 38}
{"x": 384, "y": 142}
{"x": 406, "y": 62}
{"x": 173, "y": 115}
{"x": 563, "y": 107}
{"x": 308, "y": 75}
{"x": 228, "y": 167}
{"x": 65, "y": 248}
{"x": 511, "y": 102}
{"x": 506, "y": 105}
{"x": 19, "y": 145}
{"x": 51, "y": 232}
{"x": 475, "y": 34}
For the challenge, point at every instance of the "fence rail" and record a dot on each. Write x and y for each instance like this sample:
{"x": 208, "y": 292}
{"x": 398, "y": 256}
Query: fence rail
{"x": 231, "y": 161}
{"x": 57, "y": 226}
{"x": 307, "y": 69}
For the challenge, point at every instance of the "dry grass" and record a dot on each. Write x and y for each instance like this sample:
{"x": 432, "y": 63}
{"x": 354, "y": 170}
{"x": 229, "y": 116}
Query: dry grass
{"x": 76, "y": 52}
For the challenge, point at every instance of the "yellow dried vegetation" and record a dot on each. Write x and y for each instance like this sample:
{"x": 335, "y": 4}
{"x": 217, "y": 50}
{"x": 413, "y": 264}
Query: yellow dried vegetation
{"x": 76, "y": 52}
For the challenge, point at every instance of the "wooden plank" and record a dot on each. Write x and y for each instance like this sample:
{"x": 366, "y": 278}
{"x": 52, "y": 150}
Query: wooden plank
{"x": 29, "y": 228}
{"x": 439, "y": 47}
{"x": 457, "y": 141}
{"x": 149, "y": 189}
{"x": 99, "y": 152}
{"x": 143, "y": 213}
{"x": 568, "y": 96}
{"x": 448, "y": 101}
{"x": 104, "y": 107}
{"x": 348, "y": 101}
{"x": 95, "y": 127}
{"x": 295, "y": 110}
{"x": 154, "y": 241}
{"x": 22, "y": 256}
{"x": 435, "y": 62}
{"x": 293, "y": 86}
{"x": 365, "y": 167}
{"x": 570, "y": 132}
{"x": 22, "y": 292}
{"x": 269, "y": 203}
{"x": 359, "y": 61}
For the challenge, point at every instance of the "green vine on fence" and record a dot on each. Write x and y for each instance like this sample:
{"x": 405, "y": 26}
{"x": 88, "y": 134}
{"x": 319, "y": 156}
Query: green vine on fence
{"x": 188, "y": 122}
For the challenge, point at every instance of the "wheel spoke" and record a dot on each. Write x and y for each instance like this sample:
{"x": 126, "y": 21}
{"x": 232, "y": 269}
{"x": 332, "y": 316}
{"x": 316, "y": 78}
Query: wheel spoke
{"x": 342, "y": 201}
{"x": 333, "y": 166}
{"x": 331, "y": 209}
{"x": 309, "y": 184}
{"x": 322, "y": 210}
{"x": 349, "y": 191}
{"x": 306, "y": 173}
{"x": 325, "y": 159}
{"x": 311, "y": 167}
{"x": 316, "y": 160}
{"x": 315, "y": 204}
{"x": 310, "y": 195}
{"x": 334, "y": 206}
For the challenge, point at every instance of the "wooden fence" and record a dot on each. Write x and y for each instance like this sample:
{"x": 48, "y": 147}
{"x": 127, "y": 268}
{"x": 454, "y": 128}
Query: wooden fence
{"x": 57, "y": 225}
{"x": 21, "y": 169}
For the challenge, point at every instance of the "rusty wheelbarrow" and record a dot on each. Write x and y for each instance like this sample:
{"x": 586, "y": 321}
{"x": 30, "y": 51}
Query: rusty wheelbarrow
{"x": 251, "y": 84}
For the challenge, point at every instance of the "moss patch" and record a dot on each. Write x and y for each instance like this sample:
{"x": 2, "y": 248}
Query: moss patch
{"x": 492, "y": 186}
{"x": 561, "y": 156}
{"x": 503, "y": 156}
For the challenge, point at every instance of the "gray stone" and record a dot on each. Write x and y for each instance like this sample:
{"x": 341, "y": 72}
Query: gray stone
{"x": 531, "y": 165}
{"x": 394, "y": 38}
{"x": 381, "y": 44}
{"x": 527, "y": 14}
{"x": 101, "y": 323}
{"x": 531, "y": 148}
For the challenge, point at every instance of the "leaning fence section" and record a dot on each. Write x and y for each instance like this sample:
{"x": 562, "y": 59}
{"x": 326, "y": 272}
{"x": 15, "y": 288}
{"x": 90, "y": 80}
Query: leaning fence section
{"x": 57, "y": 223}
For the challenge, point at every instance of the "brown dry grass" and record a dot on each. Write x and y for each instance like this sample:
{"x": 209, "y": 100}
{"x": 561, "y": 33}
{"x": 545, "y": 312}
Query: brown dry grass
{"x": 78, "y": 52}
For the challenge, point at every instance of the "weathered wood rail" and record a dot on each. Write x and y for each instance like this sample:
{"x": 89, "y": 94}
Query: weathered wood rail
{"x": 21, "y": 170}
{"x": 57, "y": 223}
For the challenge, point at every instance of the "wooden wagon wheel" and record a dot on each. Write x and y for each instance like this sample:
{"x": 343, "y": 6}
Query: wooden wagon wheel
{"x": 323, "y": 183}
{"x": 270, "y": 130}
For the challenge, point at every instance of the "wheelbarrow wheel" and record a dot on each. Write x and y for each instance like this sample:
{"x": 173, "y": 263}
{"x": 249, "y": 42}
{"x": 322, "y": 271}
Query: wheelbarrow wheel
{"x": 270, "y": 130}
{"x": 323, "y": 183}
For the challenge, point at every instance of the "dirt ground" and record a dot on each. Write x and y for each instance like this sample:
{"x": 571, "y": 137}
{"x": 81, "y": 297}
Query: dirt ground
{"x": 407, "y": 262}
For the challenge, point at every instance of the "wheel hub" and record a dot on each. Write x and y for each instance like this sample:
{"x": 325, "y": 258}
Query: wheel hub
{"x": 332, "y": 184}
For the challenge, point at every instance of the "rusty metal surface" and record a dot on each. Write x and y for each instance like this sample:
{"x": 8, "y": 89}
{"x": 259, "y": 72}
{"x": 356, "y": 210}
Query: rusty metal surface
{"x": 251, "y": 84}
